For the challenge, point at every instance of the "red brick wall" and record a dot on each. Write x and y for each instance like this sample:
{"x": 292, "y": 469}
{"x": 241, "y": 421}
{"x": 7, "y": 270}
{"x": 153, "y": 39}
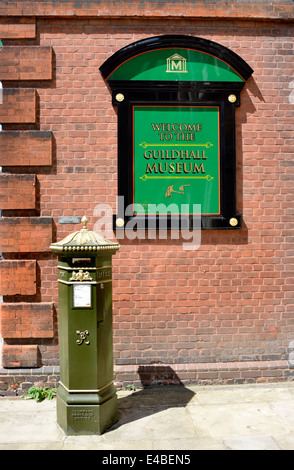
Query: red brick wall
{"x": 18, "y": 277}
{"x": 25, "y": 356}
{"x": 230, "y": 301}
{"x": 22, "y": 28}
{"x": 25, "y": 234}
{"x": 19, "y": 106}
{"x": 248, "y": 9}
{"x": 17, "y": 191}
{"x": 25, "y": 148}
{"x": 26, "y": 320}
{"x": 25, "y": 63}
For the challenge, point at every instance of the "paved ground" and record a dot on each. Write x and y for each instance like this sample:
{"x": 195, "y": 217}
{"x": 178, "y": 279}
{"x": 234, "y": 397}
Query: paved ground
{"x": 243, "y": 417}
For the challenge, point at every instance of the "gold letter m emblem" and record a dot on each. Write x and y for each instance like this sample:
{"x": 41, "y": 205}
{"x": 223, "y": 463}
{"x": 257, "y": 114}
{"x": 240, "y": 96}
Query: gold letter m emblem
{"x": 176, "y": 63}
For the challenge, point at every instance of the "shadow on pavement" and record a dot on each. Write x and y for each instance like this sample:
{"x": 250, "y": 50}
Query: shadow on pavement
{"x": 162, "y": 389}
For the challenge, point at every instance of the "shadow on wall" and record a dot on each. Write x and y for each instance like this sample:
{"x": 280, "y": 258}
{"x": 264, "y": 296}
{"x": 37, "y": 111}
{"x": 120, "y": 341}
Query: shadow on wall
{"x": 154, "y": 397}
{"x": 154, "y": 375}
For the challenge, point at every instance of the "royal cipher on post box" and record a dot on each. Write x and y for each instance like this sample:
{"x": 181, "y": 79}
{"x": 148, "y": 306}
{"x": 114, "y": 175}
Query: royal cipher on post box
{"x": 86, "y": 397}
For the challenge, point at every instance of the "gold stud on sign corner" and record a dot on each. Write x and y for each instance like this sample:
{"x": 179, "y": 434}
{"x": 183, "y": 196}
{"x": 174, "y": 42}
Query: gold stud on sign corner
{"x": 119, "y": 97}
{"x": 120, "y": 222}
{"x": 232, "y": 98}
{"x": 233, "y": 222}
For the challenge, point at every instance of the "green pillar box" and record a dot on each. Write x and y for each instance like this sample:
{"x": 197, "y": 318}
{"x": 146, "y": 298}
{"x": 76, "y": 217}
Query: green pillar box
{"x": 86, "y": 398}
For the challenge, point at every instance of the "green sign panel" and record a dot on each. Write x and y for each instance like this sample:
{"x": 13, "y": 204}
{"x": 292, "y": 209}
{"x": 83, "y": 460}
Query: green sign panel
{"x": 176, "y": 64}
{"x": 176, "y": 159}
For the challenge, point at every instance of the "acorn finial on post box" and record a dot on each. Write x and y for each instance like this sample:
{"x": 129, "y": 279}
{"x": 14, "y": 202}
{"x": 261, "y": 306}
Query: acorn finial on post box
{"x": 84, "y": 222}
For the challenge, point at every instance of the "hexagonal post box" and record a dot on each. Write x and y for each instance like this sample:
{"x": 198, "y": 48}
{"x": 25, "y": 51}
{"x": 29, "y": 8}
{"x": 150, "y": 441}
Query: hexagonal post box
{"x": 86, "y": 397}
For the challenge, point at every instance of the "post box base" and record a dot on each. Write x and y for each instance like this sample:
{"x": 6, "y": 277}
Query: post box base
{"x": 85, "y": 419}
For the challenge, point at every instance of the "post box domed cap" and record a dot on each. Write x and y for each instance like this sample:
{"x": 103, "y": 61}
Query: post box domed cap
{"x": 84, "y": 240}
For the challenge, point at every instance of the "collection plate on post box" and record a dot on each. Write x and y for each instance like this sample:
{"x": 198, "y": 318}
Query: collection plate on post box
{"x": 82, "y": 295}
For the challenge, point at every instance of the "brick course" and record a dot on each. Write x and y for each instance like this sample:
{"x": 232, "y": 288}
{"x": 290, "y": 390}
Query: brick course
{"x": 278, "y": 9}
{"x": 25, "y": 148}
{"x": 18, "y": 277}
{"x": 203, "y": 374}
{"x": 19, "y": 106}
{"x": 26, "y": 320}
{"x": 25, "y": 234}
{"x": 25, "y": 63}
{"x": 17, "y": 191}
{"x": 20, "y": 356}
{"x": 23, "y": 28}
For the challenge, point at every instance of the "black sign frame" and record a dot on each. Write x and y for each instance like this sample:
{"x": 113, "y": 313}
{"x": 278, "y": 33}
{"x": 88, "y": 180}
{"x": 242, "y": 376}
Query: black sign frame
{"x": 226, "y": 95}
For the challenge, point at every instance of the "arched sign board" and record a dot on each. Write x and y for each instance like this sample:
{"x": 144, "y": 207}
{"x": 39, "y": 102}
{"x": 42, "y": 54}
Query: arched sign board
{"x": 176, "y": 98}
